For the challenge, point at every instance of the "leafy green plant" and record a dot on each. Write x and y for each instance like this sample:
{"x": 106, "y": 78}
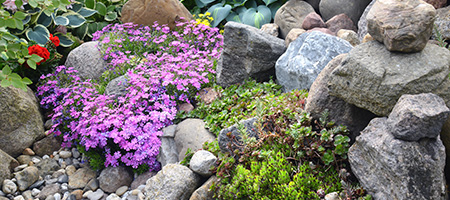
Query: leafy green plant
{"x": 250, "y": 12}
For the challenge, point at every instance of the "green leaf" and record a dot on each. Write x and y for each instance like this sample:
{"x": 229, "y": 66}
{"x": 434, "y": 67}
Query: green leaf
{"x": 26, "y": 20}
{"x": 92, "y": 28}
{"x": 251, "y": 4}
{"x": 75, "y": 20}
{"x": 111, "y": 16}
{"x": 61, "y": 20}
{"x": 90, "y": 4}
{"x": 237, "y": 3}
{"x": 219, "y": 13}
{"x": 86, "y": 12}
{"x": 274, "y": 7}
{"x": 27, "y": 81}
{"x": 31, "y": 64}
{"x": 234, "y": 17}
{"x": 19, "y": 15}
{"x": 17, "y": 83}
{"x": 81, "y": 31}
{"x": 203, "y": 3}
{"x": 21, "y": 60}
{"x": 76, "y": 7}
{"x": 35, "y": 58}
{"x": 14, "y": 47}
{"x": 5, "y": 83}
{"x": 39, "y": 34}
{"x": 34, "y": 11}
{"x": 33, "y": 3}
{"x": 44, "y": 19}
{"x": 6, "y": 70}
{"x": 65, "y": 2}
{"x": 64, "y": 40}
{"x": 257, "y": 17}
{"x": 101, "y": 8}
{"x": 111, "y": 8}
{"x": 18, "y": 3}
{"x": 328, "y": 157}
{"x": 19, "y": 24}
{"x": 268, "y": 2}
{"x": 11, "y": 54}
{"x": 10, "y": 23}
{"x": 2, "y": 22}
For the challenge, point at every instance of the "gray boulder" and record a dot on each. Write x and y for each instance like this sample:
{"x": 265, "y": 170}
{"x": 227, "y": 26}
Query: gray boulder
{"x": 173, "y": 182}
{"x": 418, "y": 116}
{"x": 117, "y": 86}
{"x": 362, "y": 23}
{"x": 191, "y": 133}
{"x": 201, "y": 162}
{"x": 442, "y": 23}
{"x": 291, "y": 15}
{"x": 247, "y": 52}
{"x": 373, "y": 78}
{"x": 47, "y": 145}
{"x": 231, "y": 138}
{"x": 87, "y": 60}
{"x": 112, "y": 178}
{"x": 7, "y": 164}
{"x": 26, "y": 177}
{"x": 20, "y": 119}
{"x": 352, "y": 8}
{"x": 390, "y": 168}
{"x": 404, "y": 26}
{"x": 306, "y": 57}
{"x": 342, "y": 113}
{"x": 81, "y": 178}
{"x": 168, "y": 151}
{"x": 203, "y": 192}
{"x": 47, "y": 167}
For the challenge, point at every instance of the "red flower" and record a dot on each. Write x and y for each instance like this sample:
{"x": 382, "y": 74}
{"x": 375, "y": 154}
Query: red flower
{"x": 55, "y": 40}
{"x": 40, "y": 51}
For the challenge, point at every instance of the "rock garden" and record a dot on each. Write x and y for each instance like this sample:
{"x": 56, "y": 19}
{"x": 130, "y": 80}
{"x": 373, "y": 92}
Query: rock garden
{"x": 212, "y": 99}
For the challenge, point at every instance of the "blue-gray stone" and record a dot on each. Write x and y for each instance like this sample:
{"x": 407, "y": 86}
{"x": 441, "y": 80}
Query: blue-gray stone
{"x": 305, "y": 58}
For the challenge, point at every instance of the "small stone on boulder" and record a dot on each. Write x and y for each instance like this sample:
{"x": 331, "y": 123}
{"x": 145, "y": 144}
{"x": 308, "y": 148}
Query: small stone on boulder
{"x": 271, "y": 29}
{"x": 291, "y": 15}
{"x": 313, "y": 20}
{"x": 201, "y": 162}
{"x": 341, "y": 21}
{"x": 293, "y": 35}
{"x": 348, "y": 35}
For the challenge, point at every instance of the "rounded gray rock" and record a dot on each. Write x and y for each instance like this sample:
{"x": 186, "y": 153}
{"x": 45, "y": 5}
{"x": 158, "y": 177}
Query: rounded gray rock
{"x": 87, "y": 60}
{"x": 111, "y": 178}
{"x": 9, "y": 187}
{"x": 202, "y": 161}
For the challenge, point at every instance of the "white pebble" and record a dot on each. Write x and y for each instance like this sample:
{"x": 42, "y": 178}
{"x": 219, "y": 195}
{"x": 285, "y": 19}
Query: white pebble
{"x": 20, "y": 167}
{"x": 2, "y": 194}
{"x": 55, "y": 153}
{"x": 96, "y": 195}
{"x": 64, "y": 186}
{"x": 45, "y": 157}
{"x": 120, "y": 191}
{"x": 75, "y": 153}
{"x": 35, "y": 192}
{"x": 20, "y": 197}
{"x": 87, "y": 193}
{"x": 113, "y": 197}
{"x": 35, "y": 159}
{"x": 65, "y": 154}
{"x": 9, "y": 187}
{"x": 56, "y": 157}
{"x": 57, "y": 196}
{"x": 66, "y": 195}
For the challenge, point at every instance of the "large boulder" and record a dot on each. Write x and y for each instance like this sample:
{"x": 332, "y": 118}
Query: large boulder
{"x": 319, "y": 101}
{"x": 306, "y": 57}
{"x": 417, "y": 116}
{"x": 442, "y": 23}
{"x": 390, "y": 168}
{"x": 112, "y": 178}
{"x": 247, "y": 52}
{"x": 7, "y": 164}
{"x": 404, "y": 26}
{"x": 191, "y": 134}
{"x": 47, "y": 145}
{"x": 173, "y": 182}
{"x": 362, "y": 23}
{"x": 352, "y": 8}
{"x": 87, "y": 60}
{"x": 204, "y": 192}
{"x": 291, "y": 15}
{"x": 146, "y": 12}
{"x": 20, "y": 119}
{"x": 168, "y": 151}
{"x": 373, "y": 78}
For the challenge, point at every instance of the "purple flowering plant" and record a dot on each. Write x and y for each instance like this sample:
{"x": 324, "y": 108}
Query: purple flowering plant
{"x": 163, "y": 68}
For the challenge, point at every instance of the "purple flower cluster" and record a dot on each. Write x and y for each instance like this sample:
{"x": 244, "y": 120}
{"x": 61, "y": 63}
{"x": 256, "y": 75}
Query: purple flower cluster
{"x": 162, "y": 67}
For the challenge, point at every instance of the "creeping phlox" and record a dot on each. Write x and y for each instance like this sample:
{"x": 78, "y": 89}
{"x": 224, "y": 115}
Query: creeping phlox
{"x": 162, "y": 68}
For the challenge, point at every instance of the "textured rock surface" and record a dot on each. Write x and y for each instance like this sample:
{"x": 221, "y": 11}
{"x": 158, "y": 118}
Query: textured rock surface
{"x": 352, "y": 8}
{"x": 418, "y": 116}
{"x": 247, "y": 52}
{"x": 146, "y": 12}
{"x": 117, "y": 86}
{"x": 191, "y": 133}
{"x": 168, "y": 151}
{"x": 373, "y": 78}
{"x": 202, "y": 161}
{"x": 319, "y": 100}
{"x": 173, "y": 182}
{"x": 390, "y": 168}
{"x": 112, "y": 178}
{"x": 293, "y": 35}
{"x": 313, "y": 20}
{"x": 86, "y": 59}
{"x": 271, "y": 29}
{"x": 403, "y": 26}
{"x": 437, "y": 3}
{"x": 7, "y": 163}
{"x": 141, "y": 179}
{"x": 233, "y": 131}
{"x": 47, "y": 145}
{"x": 47, "y": 167}
{"x": 20, "y": 119}
{"x": 442, "y": 23}
{"x": 341, "y": 21}
{"x": 306, "y": 57}
{"x": 203, "y": 192}
{"x": 26, "y": 177}
{"x": 362, "y": 23}
{"x": 81, "y": 177}
{"x": 349, "y": 36}
{"x": 291, "y": 15}
{"x": 323, "y": 30}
